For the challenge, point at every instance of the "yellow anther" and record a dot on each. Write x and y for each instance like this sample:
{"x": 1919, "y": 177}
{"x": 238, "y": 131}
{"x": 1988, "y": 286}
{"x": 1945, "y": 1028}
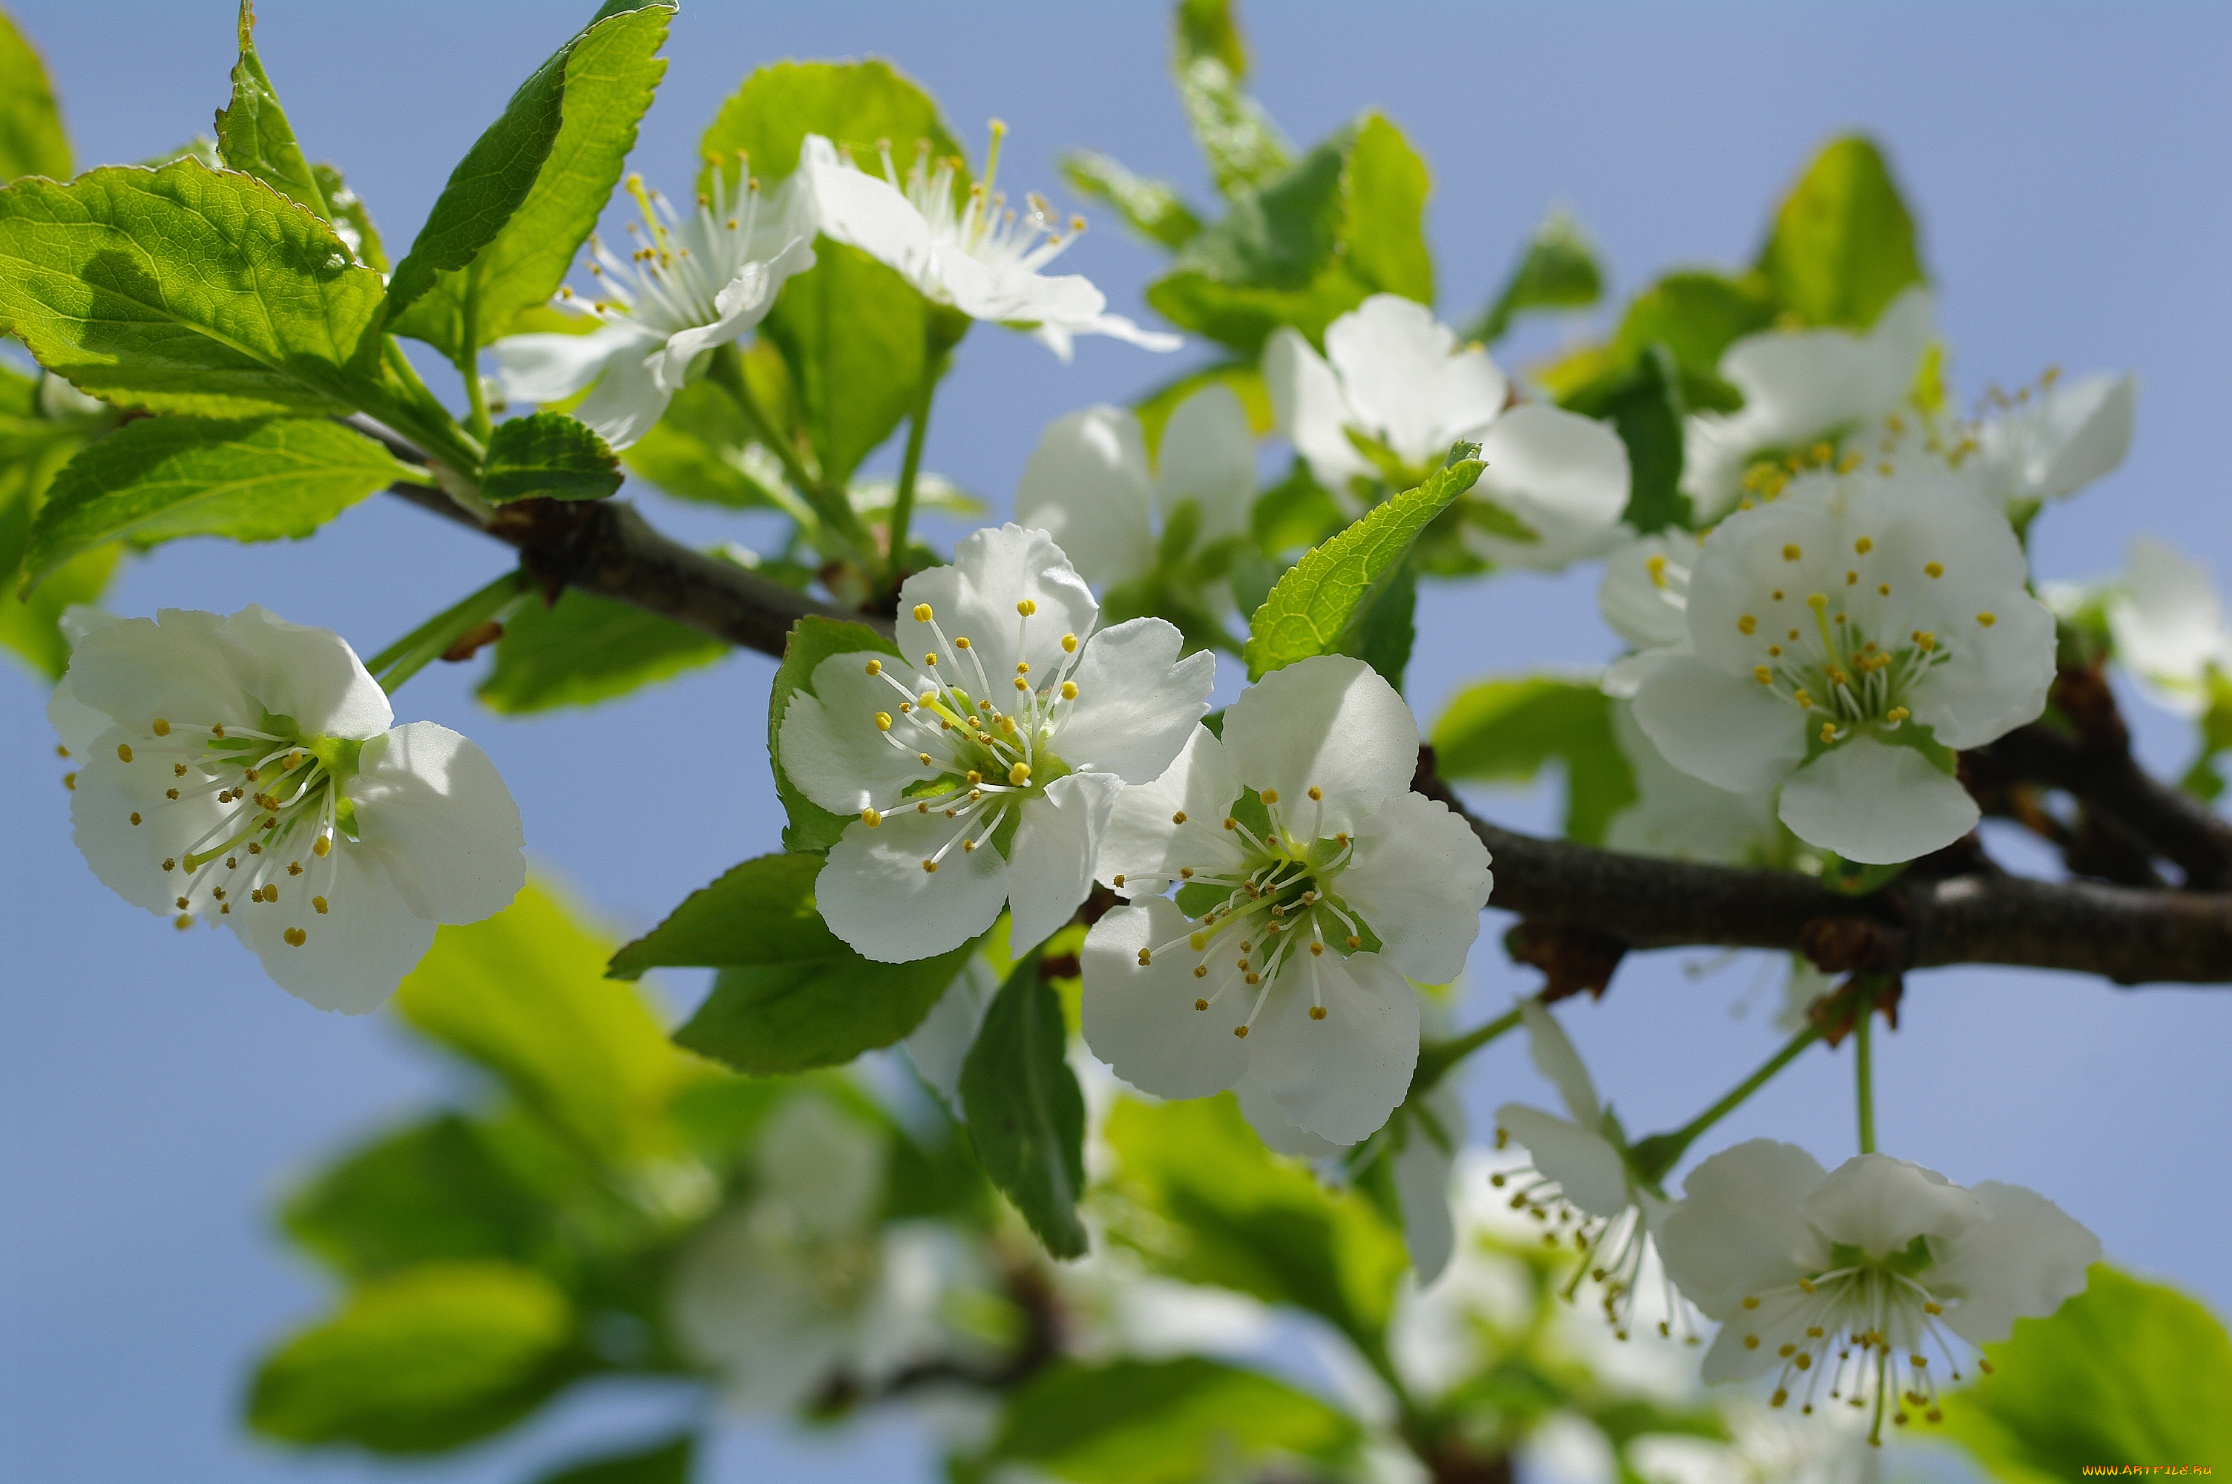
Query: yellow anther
{"x": 161, "y": 727}
{"x": 962, "y": 642}
{"x": 922, "y": 613}
{"x": 1197, "y": 941}
{"x": 170, "y": 793}
{"x": 1146, "y": 956}
{"x": 1817, "y": 601}
{"x": 178, "y": 770}
{"x": 1069, "y": 690}
{"x": 1791, "y": 553}
{"x": 1316, "y": 794}
{"x": 1317, "y": 1012}
{"x": 1747, "y": 624}
{"x": 871, "y": 817}
{"x": 1828, "y": 731}
{"x": 1751, "y": 1342}
{"x": 296, "y": 936}
{"x": 182, "y": 904}
{"x": 1864, "y": 545}
{"x": 1804, "y": 698}
{"x": 1852, "y": 579}
{"x": 1763, "y": 675}
{"x": 182, "y": 922}
{"x": 1021, "y": 683}
{"x": 1987, "y": 619}
{"x": 1781, "y": 1396}
{"x": 1935, "y": 569}
{"x": 1883, "y": 589}
{"x": 1838, "y": 677}
{"x": 217, "y": 730}
{"x": 1774, "y": 651}
{"x": 1354, "y": 941}
{"x": 1896, "y": 715}
{"x": 135, "y": 816}
{"x": 1777, "y": 595}
{"x": 875, "y": 667}
{"x": 1179, "y": 817}
{"x": 1069, "y": 644}
{"x": 1020, "y": 773}
{"x": 1822, "y": 453}
{"x": 323, "y": 846}
{"x": 968, "y": 847}
{"x": 1027, "y": 607}
{"x": 170, "y": 862}
{"x": 929, "y": 868}
{"x": 883, "y": 721}
{"x": 320, "y": 904}
{"x": 930, "y": 660}
{"x": 1270, "y": 796}
{"x": 294, "y": 868}
{"x": 1241, "y": 1031}
{"x": 1656, "y": 566}
{"x": 124, "y": 751}
{"x": 69, "y": 781}
{"x": 1230, "y": 822}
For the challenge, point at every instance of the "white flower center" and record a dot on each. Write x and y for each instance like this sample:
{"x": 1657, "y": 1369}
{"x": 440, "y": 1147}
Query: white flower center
{"x": 673, "y": 279}
{"x": 979, "y": 221}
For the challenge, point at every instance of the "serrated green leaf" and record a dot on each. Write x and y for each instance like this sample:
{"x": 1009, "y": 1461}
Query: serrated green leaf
{"x": 187, "y": 290}
{"x": 865, "y": 105}
{"x": 547, "y": 455}
{"x": 1843, "y": 243}
{"x": 1504, "y": 731}
{"x": 1221, "y": 1209}
{"x": 1318, "y": 606}
{"x": 32, "y": 139}
{"x": 1243, "y": 146}
{"x": 1152, "y": 208}
{"x": 1167, "y": 1422}
{"x": 811, "y": 641}
{"x": 1558, "y": 269}
{"x": 1026, "y": 1112}
{"x": 524, "y": 994}
{"x": 1385, "y": 231}
{"x": 2126, "y": 1373}
{"x": 431, "y": 1191}
{"x": 507, "y": 226}
{"x": 662, "y": 1463}
{"x": 790, "y": 995}
{"x": 422, "y": 1362}
{"x": 161, "y": 478}
{"x": 253, "y": 134}
{"x": 585, "y": 649}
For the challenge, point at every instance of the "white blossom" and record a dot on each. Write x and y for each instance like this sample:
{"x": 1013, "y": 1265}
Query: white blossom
{"x": 2168, "y": 624}
{"x": 1644, "y": 596}
{"x": 1833, "y": 628}
{"x": 1301, "y": 926}
{"x": 964, "y": 247}
{"x": 983, "y": 765}
{"x": 2048, "y": 445}
{"x": 1394, "y": 377}
{"x": 1091, "y": 485}
{"x": 1803, "y": 388}
{"x": 689, "y": 286}
{"x": 245, "y": 771}
{"x": 1852, "y": 1286}
{"x": 1686, "y": 818}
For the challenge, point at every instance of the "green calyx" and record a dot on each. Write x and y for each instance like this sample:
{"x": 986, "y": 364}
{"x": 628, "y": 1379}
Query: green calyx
{"x": 1910, "y": 1261}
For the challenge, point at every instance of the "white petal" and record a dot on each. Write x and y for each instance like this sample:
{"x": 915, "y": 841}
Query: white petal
{"x": 2022, "y": 1261}
{"x": 1565, "y": 476}
{"x": 741, "y": 304}
{"x": 551, "y": 368}
{"x": 1057, "y": 334}
{"x": 832, "y": 748}
{"x": 1330, "y": 723}
{"x": 1687, "y": 818}
{"x": 432, "y": 807}
{"x": 1137, "y": 702}
{"x": 1141, "y": 1019}
{"x": 1648, "y": 611}
{"x": 821, "y": 1164}
{"x": 940, "y": 1045}
{"x": 867, "y": 212}
{"x": 1873, "y": 802}
{"x": 1780, "y": 1316}
{"x": 1208, "y": 455}
{"x": 629, "y": 399}
{"x": 1050, "y": 865}
{"x": 1582, "y": 1161}
{"x": 1144, "y": 840}
{"x": 2088, "y": 430}
{"x": 1794, "y": 546}
{"x": 127, "y": 857}
{"x": 75, "y": 722}
{"x": 1420, "y": 878}
{"x": 1086, "y": 485}
{"x": 1738, "y": 1230}
{"x": 994, "y": 569}
{"x": 1422, "y": 1173}
{"x": 1307, "y": 399}
{"x": 1269, "y": 1121}
{"x": 1341, "y": 1076}
{"x": 1553, "y": 1056}
{"x": 307, "y": 673}
{"x": 137, "y": 670}
{"x": 876, "y": 896}
{"x": 1727, "y": 729}
{"x": 1880, "y": 1205}
{"x": 2167, "y": 621}
{"x": 354, "y": 954}
{"x": 1408, "y": 381}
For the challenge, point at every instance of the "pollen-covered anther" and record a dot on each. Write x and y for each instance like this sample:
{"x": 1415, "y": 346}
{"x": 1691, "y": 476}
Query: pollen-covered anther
{"x": 929, "y": 868}
{"x": 296, "y": 936}
{"x": 875, "y": 667}
{"x": 1019, "y": 774}
{"x": 320, "y": 904}
{"x": 1791, "y": 552}
{"x": 871, "y": 817}
{"x": 922, "y": 613}
{"x": 1069, "y": 644}
{"x": 1987, "y": 619}
{"x": 883, "y": 721}
{"x": 124, "y": 751}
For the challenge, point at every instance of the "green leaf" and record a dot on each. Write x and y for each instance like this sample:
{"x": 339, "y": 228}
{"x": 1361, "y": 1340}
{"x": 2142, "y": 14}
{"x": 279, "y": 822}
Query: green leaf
{"x": 697, "y": 451}
{"x": 1244, "y": 380}
{"x": 422, "y": 1362}
{"x": 811, "y": 641}
{"x": 1386, "y": 226}
{"x": 1504, "y": 731}
{"x": 33, "y": 450}
{"x": 1318, "y": 606}
{"x": 187, "y": 289}
{"x": 790, "y": 995}
{"x": 549, "y": 455}
{"x": 427, "y": 1192}
{"x": 853, "y": 333}
{"x": 1843, "y": 245}
{"x": 861, "y": 104}
{"x": 32, "y": 626}
{"x": 1695, "y": 314}
{"x": 585, "y": 649}
{"x": 1388, "y": 628}
{"x": 1152, "y": 208}
{"x": 1221, "y": 1209}
{"x": 662, "y": 1463}
{"x": 2125, "y": 1373}
{"x": 160, "y": 478}
{"x": 1026, "y": 1112}
{"x": 1646, "y": 408}
{"x": 1243, "y": 146}
{"x": 505, "y": 230}
{"x": 253, "y": 134}
{"x": 1558, "y": 270}
{"x": 523, "y": 993}
{"x": 32, "y": 139}
{"x": 1293, "y": 515}
{"x": 1167, "y": 1422}
{"x": 352, "y": 221}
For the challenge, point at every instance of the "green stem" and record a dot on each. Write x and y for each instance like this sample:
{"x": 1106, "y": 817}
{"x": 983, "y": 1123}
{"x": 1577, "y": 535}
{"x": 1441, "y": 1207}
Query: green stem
{"x": 430, "y": 640}
{"x": 468, "y": 359}
{"x": 1654, "y": 1156}
{"x": 832, "y": 505}
{"x": 1863, "y": 1072}
{"x": 1436, "y": 1058}
{"x": 902, "y": 499}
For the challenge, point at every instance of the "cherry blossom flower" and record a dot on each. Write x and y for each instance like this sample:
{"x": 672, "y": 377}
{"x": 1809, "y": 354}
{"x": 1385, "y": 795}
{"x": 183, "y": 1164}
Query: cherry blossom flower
{"x": 2168, "y": 624}
{"x": 1644, "y": 596}
{"x": 1313, "y": 887}
{"x": 983, "y": 766}
{"x": 1841, "y": 637}
{"x": 245, "y": 771}
{"x": 689, "y": 286}
{"x": 1852, "y": 1286}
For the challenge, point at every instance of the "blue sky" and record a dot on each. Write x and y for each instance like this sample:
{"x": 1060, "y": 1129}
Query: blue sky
{"x": 155, "y": 1091}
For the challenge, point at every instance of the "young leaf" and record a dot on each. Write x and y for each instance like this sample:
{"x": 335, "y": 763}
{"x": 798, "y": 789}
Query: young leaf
{"x": 421, "y": 1362}
{"x": 1504, "y": 731}
{"x": 160, "y": 478}
{"x": 497, "y": 179}
{"x": 35, "y": 452}
{"x": 253, "y": 133}
{"x": 1558, "y": 270}
{"x": 1843, "y": 245}
{"x": 1646, "y": 407}
{"x": 505, "y": 231}
{"x": 352, "y": 221}
{"x": 853, "y": 333}
{"x": 1385, "y": 232}
{"x": 1317, "y": 607}
{"x": 585, "y": 649}
{"x": 550, "y": 455}
{"x": 32, "y": 139}
{"x": 426, "y": 1192}
{"x": 1167, "y": 1422}
{"x": 698, "y": 450}
{"x": 1696, "y": 314}
{"x": 791, "y": 995}
{"x": 1026, "y": 1113}
{"x": 187, "y": 289}
{"x": 1388, "y": 628}
{"x": 1152, "y": 208}
{"x": 811, "y": 641}
{"x": 868, "y": 105}
{"x": 662, "y": 1463}
{"x": 1243, "y": 146}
